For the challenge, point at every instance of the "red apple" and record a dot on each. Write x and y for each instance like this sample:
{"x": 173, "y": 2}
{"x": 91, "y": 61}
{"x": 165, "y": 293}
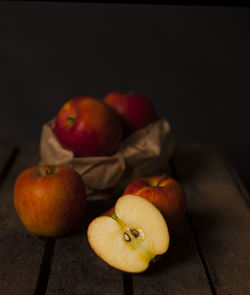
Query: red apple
{"x": 131, "y": 236}
{"x": 165, "y": 193}
{"x": 50, "y": 200}
{"x": 88, "y": 127}
{"x": 136, "y": 111}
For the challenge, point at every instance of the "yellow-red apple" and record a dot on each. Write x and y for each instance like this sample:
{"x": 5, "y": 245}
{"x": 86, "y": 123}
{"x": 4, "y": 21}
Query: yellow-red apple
{"x": 131, "y": 235}
{"x": 165, "y": 193}
{"x": 137, "y": 111}
{"x": 88, "y": 127}
{"x": 50, "y": 200}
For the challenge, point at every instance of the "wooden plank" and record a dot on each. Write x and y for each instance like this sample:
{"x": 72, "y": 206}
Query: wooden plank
{"x": 219, "y": 216}
{"x": 179, "y": 271}
{"x": 76, "y": 269}
{"x": 20, "y": 252}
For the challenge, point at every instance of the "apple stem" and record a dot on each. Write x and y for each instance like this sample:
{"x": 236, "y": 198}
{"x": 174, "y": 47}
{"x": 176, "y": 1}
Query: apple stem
{"x": 160, "y": 179}
{"x": 70, "y": 119}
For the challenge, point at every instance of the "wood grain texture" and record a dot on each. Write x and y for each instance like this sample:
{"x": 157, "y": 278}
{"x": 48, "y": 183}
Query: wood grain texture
{"x": 219, "y": 217}
{"x": 179, "y": 271}
{"x": 208, "y": 254}
{"x": 76, "y": 269}
{"x": 20, "y": 252}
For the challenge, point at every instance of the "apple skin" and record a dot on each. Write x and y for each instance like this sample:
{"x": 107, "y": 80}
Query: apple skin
{"x": 165, "y": 193}
{"x": 136, "y": 111}
{"x": 50, "y": 200}
{"x": 88, "y": 127}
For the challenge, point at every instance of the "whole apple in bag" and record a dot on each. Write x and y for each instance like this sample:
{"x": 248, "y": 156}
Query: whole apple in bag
{"x": 136, "y": 111}
{"x": 88, "y": 127}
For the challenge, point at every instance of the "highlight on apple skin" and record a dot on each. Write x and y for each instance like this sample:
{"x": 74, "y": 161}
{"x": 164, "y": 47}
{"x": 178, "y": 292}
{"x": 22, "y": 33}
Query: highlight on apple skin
{"x": 88, "y": 127}
{"x": 50, "y": 200}
{"x": 165, "y": 193}
{"x": 136, "y": 111}
{"x": 131, "y": 236}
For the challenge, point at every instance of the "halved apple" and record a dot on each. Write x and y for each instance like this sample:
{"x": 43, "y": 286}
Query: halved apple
{"x": 131, "y": 235}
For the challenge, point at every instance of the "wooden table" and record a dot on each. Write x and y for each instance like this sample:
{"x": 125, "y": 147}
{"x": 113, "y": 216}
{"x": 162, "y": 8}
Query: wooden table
{"x": 209, "y": 254}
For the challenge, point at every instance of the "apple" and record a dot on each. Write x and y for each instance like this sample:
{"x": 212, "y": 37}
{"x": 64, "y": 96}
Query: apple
{"x": 131, "y": 236}
{"x": 50, "y": 200}
{"x": 88, "y": 127}
{"x": 165, "y": 193}
{"x": 136, "y": 111}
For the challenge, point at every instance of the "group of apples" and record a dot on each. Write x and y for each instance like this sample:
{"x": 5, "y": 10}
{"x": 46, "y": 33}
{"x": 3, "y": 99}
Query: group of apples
{"x": 51, "y": 200}
{"x": 92, "y": 127}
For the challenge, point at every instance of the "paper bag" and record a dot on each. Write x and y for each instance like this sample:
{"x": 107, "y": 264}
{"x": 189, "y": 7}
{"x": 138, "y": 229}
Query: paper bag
{"x": 144, "y": 153}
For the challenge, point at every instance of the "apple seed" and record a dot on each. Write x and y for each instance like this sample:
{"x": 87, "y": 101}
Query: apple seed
{"x": 127, "y": 237}
{"x": 134, "y": 232}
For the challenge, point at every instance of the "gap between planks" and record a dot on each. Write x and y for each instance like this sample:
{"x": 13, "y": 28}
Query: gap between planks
{"x": 8, "y": 164}
{"x": 45, "y": 268}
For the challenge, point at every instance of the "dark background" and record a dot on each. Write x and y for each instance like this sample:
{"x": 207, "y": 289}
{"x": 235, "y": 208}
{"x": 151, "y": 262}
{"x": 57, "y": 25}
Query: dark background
{"x": 192, "y": 61}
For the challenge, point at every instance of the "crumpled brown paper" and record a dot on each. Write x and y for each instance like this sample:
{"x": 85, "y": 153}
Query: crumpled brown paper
{"x": 146, "y": 152}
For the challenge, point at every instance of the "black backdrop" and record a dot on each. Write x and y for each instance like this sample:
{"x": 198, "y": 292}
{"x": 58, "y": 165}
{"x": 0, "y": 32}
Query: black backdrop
{"x": 192, "y": 61}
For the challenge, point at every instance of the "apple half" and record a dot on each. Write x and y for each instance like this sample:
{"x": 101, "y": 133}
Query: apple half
{"x": 131, "y": 235}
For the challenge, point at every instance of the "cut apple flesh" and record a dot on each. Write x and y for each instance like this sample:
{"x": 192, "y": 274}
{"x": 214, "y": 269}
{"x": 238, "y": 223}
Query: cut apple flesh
{"x": 131, "y": 236}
